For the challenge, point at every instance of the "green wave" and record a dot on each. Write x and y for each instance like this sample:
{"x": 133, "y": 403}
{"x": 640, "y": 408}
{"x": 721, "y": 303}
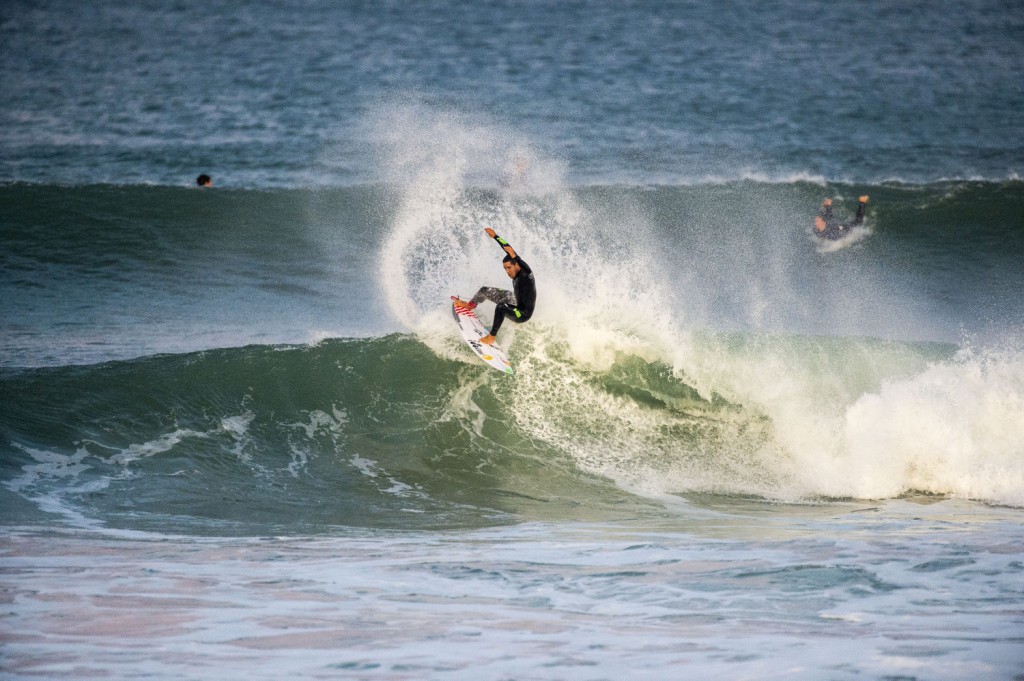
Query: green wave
{"x": 358, "y": 433}
{"x": 396, "y": 432}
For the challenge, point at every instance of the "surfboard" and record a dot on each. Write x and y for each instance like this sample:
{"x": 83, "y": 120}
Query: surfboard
{"x": 853, "y": 235}
{"x": 472, "y": 331}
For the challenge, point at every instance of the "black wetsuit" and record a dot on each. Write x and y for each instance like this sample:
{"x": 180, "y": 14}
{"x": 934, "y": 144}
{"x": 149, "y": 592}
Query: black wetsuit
{"x": 517, "y": 304}
{"x": 837, "y": 230}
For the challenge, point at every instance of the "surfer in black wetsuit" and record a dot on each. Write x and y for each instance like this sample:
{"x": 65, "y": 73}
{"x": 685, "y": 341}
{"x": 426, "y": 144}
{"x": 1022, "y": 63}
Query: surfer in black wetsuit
{"x": 827, "y": 227}
{"x": 516, "y": 304}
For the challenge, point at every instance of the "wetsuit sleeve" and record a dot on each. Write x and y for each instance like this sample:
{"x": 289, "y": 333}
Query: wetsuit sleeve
{"x": 859, "y": 218}
{"x": 503, "y": 243}
{"x": 519, "y": 261}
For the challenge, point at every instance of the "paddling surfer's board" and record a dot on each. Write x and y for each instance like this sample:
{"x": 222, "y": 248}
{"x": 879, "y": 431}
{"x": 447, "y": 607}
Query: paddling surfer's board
{"x": 473, "y": 330}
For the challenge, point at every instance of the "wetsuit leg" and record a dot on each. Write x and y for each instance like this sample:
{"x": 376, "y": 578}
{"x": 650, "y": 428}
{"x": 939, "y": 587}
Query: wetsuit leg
{"x": 495, "y": 295}
{"x": 506, "y": 306}
{"x": 857, "y": 221}
{"x": 505, "y": 310}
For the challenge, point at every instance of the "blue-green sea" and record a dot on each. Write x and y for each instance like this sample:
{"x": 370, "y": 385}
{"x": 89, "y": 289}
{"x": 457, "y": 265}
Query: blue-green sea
{"x": 241, "y": 438}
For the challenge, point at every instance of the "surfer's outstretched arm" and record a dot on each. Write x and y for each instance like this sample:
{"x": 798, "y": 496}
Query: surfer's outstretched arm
{"x": 862, "y": 204}
{"x": 505, "y": 246}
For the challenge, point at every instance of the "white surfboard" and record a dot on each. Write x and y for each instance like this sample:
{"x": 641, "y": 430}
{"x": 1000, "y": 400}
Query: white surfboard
{"x": 473, "y": 330}
{"x": 854, "y": 235}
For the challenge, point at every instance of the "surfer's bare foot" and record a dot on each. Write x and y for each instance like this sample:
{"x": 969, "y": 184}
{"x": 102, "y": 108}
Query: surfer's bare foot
{"x": 487, "y": 340}
{"x": 463, "y": 303}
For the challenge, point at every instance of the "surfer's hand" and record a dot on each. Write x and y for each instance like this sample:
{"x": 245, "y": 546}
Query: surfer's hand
{"x": 490, "y": 232}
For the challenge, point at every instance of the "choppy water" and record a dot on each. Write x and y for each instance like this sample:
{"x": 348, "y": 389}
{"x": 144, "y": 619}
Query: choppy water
{"x": 289, "y": 93}
{"x": 236, "y": 424}
{"x": 738, "y": 590}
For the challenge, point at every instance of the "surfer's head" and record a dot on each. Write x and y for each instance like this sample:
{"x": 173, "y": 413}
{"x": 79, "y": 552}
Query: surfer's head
{"x": 511, "y": 266}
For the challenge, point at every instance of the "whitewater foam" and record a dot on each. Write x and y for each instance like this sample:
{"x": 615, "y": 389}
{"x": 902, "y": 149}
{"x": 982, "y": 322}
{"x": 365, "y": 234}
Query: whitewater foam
{"x": 783, "y": 417}
{"x": 956, "y": 429}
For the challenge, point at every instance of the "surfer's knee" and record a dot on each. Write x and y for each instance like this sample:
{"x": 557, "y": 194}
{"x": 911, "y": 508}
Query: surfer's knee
{"x": 495, "y": 295}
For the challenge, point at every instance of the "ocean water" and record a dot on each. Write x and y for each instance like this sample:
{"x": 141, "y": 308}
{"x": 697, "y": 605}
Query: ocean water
{"x": 240, "y": 438}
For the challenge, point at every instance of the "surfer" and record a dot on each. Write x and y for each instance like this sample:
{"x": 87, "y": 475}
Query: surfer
{"x": 827, "y": 227}
{"x": 516, "y": 304}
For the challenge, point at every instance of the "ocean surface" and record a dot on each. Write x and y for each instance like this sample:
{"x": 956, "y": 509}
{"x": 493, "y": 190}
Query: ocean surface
{"x": 241, "y": 438}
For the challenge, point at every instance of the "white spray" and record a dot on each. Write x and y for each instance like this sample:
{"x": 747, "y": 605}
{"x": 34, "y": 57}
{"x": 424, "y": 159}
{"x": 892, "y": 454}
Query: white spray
{"x": 780, "y": 417}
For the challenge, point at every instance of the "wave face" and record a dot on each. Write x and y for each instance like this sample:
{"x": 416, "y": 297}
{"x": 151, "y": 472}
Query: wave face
{"x": 385, "y": 433}
{"x": 369, "y": 433}
{"x": 101, "y": 272}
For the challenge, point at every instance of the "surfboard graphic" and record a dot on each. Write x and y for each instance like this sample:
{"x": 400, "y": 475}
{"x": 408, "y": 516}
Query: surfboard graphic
{"x": 472, "y": 331}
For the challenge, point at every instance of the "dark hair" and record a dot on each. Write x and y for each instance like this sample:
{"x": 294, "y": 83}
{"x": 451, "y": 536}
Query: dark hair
{"x": 203, "y": 180}
{"x": 508, "y": 258}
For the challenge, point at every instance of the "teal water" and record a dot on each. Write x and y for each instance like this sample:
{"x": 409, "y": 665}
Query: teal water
{"x": 104, "y": 272}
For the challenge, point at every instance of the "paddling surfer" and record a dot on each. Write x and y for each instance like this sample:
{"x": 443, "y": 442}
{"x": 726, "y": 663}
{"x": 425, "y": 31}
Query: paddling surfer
{"x": 516, "y": 304}
{"x": 826, "y": 226}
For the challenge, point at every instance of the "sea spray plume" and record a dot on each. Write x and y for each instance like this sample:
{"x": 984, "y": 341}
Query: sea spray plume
{"x": 604, "y": 298}
{"x": 743, "y": 264}
{"x": 606, "y": 371}
{"x": 610, "y": 371}
{"x": 591, "y": 271}
{"x": 436, "y": 160}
